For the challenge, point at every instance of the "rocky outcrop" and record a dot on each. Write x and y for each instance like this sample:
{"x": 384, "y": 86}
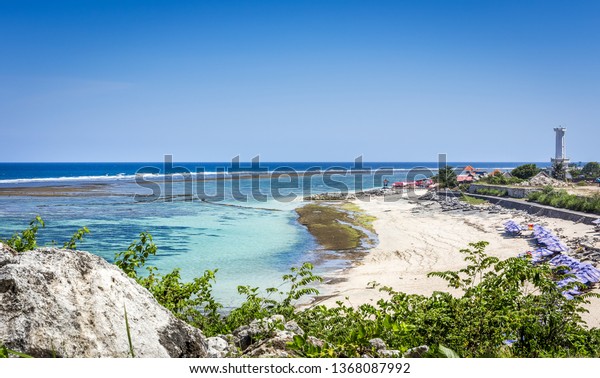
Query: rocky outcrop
{"x": 265, "y": 338}
{"x": 271, "y": 338}
{"x": 72, "y": 304}
{"x": 451, "y": 203}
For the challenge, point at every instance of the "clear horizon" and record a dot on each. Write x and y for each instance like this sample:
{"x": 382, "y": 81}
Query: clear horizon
{"x": 269, "y": 161}
{"x": 326, "y": 81}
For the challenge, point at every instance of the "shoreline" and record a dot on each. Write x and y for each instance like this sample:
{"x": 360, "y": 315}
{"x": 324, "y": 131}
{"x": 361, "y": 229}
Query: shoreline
{"x": 419, "y": 237}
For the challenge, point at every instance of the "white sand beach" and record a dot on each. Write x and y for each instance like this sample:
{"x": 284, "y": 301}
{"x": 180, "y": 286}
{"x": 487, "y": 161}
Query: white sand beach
{"x": 415, "y": 239}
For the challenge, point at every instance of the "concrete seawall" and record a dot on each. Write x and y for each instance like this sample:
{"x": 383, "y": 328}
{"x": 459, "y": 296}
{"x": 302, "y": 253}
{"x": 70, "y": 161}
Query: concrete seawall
{"x": 537, "y": 209}
{"x": 511, "y": 191}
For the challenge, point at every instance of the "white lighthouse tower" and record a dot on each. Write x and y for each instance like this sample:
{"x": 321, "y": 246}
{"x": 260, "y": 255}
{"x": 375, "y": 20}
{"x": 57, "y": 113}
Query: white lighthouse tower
{"x": 560, "y": 154}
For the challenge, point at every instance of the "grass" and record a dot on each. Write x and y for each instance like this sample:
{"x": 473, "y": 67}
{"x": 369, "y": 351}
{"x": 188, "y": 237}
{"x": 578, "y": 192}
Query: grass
{"x": 472, "y": 200}
{"x": 492, "y": 192}
{"x": 332, "y": 226}
{"x": 8, "y": 353}
{"x": 128, "y": 333}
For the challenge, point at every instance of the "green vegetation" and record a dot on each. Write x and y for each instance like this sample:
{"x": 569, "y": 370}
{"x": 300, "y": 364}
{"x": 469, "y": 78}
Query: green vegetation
{"x": 464, "y": 187}
{"x": 189, "y": 301}
{"x": 136, "y": 255}
{"x": 510, "y": 300}
{"x": 472, "y": 200}
{"x": 193, "y": 302}
{"x": 446, "y": 177}
{"x": 559, "y": 171}
{"x": 500, "y": 180}
{"x": 27, "y": 239}
{"x": 77, "y": 236}
{"x": 332, "y": 227}
{"x": 508, "y": 308}
{"x": 591, "y": 170}
{"x": 502, "y": 302}
{"x": 7, "y": 353}
{"x": 525, "y": 171}
{"x": 562, "y": 199}
{"x": 492, "y": 192}
{"x": 131, "y": 352}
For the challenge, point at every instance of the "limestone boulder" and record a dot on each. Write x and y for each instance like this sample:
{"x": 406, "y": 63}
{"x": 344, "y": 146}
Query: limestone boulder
{"x": 67, "y": 303}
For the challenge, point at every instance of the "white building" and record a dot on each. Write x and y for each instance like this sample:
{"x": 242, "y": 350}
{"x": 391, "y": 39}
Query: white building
{"x": 560, "y": 154}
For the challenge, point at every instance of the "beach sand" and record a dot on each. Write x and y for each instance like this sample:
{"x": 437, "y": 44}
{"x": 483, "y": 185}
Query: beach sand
{"x": 418, "y": 238}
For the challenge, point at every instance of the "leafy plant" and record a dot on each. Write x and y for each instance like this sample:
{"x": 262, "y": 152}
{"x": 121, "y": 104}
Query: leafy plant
{"x": 591, "y": 169}
{"x": 136, "y": 255}
{"x": 525, "y": 171}
{"x": 190, "y": 301}
{"x": 26, "y": 240}
{"x": 507, "y": 308}
{"x": 447, "y": 352}
{"x": 296, "y": 284}
{"x": 77, "y": 236}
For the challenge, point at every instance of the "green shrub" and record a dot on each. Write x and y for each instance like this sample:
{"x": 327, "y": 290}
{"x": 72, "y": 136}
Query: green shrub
{"x": 500, "y": 180}
{"x": 77, "y": 236}
{"x": 27, "y": 239}
{"x": 492, "y": 192}
{"x": 501, "y": 300}
{"x": 525, "y": 171}
{"x": 562, "y": 199}
{"x": 193, "y": 301}
{"x": 591, "y": 169}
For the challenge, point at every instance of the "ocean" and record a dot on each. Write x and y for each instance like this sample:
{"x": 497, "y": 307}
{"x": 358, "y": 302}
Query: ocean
{"x": 237, "y": 218}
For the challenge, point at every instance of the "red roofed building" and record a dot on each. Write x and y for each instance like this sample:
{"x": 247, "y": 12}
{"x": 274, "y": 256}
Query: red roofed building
{"x": 464, "y": 178}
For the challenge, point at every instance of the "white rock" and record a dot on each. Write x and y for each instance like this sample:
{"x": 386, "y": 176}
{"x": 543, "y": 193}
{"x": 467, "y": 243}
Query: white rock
{"x": 72, "y": 303}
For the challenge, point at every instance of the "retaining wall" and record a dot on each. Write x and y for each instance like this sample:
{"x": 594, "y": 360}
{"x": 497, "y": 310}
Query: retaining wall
{"x": 511, "y": 191}
{"x": 540, "y": 210}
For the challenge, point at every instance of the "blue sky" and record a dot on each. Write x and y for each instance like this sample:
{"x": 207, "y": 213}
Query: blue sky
{"x": 298, "y": 80}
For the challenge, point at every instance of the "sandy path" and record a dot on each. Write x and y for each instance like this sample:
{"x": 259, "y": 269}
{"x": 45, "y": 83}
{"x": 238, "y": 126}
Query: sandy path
{"x": 415, "y": 240}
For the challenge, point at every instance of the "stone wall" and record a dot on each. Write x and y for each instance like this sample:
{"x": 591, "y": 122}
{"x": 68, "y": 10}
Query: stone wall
{"x": 512, "y": 191}
{"x": 540, "y": 210}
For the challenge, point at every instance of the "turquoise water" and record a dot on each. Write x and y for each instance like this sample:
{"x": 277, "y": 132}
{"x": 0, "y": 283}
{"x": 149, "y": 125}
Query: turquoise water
{"x": 248, "y": 245}
{"x": 251, "y": 242}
